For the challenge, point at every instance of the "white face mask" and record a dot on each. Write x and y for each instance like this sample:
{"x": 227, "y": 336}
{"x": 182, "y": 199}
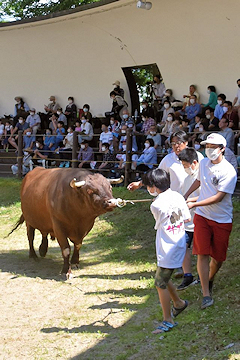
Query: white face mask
{"x": 70, "y": 101}
{"x": 68, "y": 130}
{"x": 82, "y": 146}
{"x": 28, "y": 133}
{"x": 189, "y": 171}
{"x": 154, "y": 193}
{"x": 125, "y": 116}
{"x": 37, "y": 145}
{"x": 146, "y": 145}
{"x": 123, "y": 131}
{"x": 212, "y": 154}
{"x": 103, "y": 148}
{"x": 58, "y": 112}
{"x": 153, "y": 133}
{"x": 166, "y": 106}
{"x": 192, "y": 101}
{"x": 112, "y": 122}
{"x": 84, "y": 121}
{"x": 167, "y": 94}
{"x": 32, "y": 113}
{"x": 208, "y": 91}
{"x": 225, "y": 109}
{"x": 219, "y": 102}
{"x": 200, "y": 129}
{"x": 130, "y": 125}
{"x": 169, "y": 118}
{"x": 197, "y": 146}
{"x": 20, "y": 121}
{"x": 208, "y": 116}
{"x": 144, "y": 106}
{"x": 124, "y": 147}
{"x": 85, "y": 109}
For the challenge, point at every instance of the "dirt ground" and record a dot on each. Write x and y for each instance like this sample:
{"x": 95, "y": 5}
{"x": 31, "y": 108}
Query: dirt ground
{"x": 43, "y": 317}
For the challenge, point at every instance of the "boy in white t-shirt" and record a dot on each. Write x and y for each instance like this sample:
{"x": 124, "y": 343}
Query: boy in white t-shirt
{"x": 170, "y": 212}
{"x": 213, "y": 218}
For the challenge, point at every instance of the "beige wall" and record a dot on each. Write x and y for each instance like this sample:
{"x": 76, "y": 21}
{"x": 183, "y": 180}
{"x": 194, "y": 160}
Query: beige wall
{"x": 83, "y": 53}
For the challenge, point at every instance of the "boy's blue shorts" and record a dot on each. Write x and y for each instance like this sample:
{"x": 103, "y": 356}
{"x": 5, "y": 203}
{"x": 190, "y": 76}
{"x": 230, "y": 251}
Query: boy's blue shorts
{"x": 189, "y": 238}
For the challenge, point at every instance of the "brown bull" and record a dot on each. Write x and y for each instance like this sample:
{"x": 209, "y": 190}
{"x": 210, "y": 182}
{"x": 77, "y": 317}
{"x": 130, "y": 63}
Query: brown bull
{"x": 65, "y": 204}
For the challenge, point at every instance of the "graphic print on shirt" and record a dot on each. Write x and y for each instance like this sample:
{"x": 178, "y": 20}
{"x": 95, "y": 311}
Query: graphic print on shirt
{"x": 176, "y": 219}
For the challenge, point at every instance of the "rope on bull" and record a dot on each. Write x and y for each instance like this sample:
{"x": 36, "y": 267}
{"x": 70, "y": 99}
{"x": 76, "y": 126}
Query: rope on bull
{"x": 121, "y": 202}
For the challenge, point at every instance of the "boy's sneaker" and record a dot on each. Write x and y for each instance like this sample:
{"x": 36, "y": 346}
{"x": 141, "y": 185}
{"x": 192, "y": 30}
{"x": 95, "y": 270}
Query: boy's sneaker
{"x": 187, "y": 281}
{"x": 206, "y": 302}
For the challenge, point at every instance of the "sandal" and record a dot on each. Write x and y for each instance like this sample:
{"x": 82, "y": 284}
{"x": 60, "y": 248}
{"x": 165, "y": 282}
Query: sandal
{"x": 164, "y": 327}
{"x": 177, "y": 311}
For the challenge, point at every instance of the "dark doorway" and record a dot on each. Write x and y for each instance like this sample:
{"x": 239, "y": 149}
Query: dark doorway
{"x": 139, "y": 79}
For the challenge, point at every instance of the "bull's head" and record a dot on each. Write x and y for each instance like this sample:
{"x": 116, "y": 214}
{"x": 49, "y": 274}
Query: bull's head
{"x": 99, "y": 189}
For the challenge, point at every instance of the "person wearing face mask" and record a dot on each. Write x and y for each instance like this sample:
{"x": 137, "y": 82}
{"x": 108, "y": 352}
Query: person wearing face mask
{"x": 21, "y": 109}
{"x": 106, "y": 136}
{"x": 148, "y": 159}
{"x": 71, "y": 111}
{"x": 50, "y": 141}
{"x": 213, "y": 217}
{"x": 231, "y": 115}
{"x": 192, "y": 91}
{"x": 21, "y": 125}
{"x": 109, "y": 159}
{"x": 34, "y": 121}
{"x": 147, "y": 109}
{"x": 170, "y": 213}
{"x": 227, "y": 133}
{"x": 86, "y": 113}
{"x": 212, "y": 101}
{"x": 220, "y": 110}
{"x": 167, "y": 110}
{"x": 86, "y": 132}
{"x": 61, "y": 116}
{"x": 50, "y": 109}
{"x": 192, "y": 109}
{"x": 118, "y": 104}
{"x": 168, "y": 96}
{"x": 122, "y": 157}
{"x": 212, "y": 122}
{"x": 114, "y": 128}
{"x": 28, "y": 139}
{"x": 147, "y": 123}
{"x": 7, "y": 133}
{"x": 167, "y": 129}
{"x": 85, "y": 155}
{"x": 156, "y": 137}
{"x": 41, "y": 152}
{"x": 189, "y": 159}
{"x": 66, "y": 151}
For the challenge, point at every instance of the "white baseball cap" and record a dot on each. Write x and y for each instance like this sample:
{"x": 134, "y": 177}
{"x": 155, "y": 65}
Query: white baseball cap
{"x": 215, "y": 139}
{"x": 117, "y": 83}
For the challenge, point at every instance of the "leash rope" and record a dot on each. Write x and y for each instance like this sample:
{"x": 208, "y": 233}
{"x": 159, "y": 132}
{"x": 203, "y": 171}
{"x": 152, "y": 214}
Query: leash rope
{"x": 121, "y": 202}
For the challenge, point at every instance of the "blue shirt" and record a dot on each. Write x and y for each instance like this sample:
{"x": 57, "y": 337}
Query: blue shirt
{"x": 59, "y": 137}
{"x": 49, "y": 139}
{"x": 27, "y": 140}
{"x": 23, "y": 127}
{"x": 149, "y": 157}
{"x": 219, "y": 112}
{"x": 193, "y": 110}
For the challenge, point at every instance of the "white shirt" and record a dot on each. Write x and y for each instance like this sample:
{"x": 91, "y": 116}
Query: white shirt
{"x": 238, "y": 96}
{"x": 172, "y": 165}
{"x": 1, "y": 129}
{"x": 189, "y": 180}
{"x": 214, "y": 178}
{"x": 169, "y": 211}
{"x": 159, "y": 89}
{"x": 106, "y": 137}
{"x": 88, "y": 128}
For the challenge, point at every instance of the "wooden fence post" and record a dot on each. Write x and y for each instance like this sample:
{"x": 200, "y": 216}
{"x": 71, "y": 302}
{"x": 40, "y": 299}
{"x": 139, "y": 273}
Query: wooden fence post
{"x": 20, "y": 153}
{"x": 74, "y": 149}
{"x": 128, "y": 156}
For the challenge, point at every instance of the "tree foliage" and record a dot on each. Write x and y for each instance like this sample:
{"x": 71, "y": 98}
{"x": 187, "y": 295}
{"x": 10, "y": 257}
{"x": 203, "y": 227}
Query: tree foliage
{"x": 23, "y": 9}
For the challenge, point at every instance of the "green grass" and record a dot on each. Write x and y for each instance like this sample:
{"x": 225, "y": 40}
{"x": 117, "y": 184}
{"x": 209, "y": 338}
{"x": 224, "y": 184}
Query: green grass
{"x": 116, "y": 281}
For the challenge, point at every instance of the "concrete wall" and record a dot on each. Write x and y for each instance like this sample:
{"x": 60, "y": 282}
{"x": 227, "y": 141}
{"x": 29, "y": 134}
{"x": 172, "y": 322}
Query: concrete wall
{"x": 82, "y": 54}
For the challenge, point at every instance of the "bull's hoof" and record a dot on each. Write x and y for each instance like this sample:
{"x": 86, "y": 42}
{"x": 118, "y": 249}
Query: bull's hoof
{"x": 33, "y": 255}
{"x": 67, "y": 276}
{"x": 43, "y": 250}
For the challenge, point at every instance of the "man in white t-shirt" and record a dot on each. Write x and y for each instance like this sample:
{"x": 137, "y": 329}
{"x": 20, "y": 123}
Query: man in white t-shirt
{"x": 213, "y": 218}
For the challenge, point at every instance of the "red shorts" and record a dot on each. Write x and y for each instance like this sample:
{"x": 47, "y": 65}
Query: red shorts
{"x": 211, "y": 238}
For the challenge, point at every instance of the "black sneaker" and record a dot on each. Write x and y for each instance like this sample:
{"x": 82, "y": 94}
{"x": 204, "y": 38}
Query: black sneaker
{"x": 187, "y": 281}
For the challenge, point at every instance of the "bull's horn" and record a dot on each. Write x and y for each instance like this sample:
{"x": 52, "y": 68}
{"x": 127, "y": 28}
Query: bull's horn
{"x": 74, "y": 183}
{"x": 116, "y": 181}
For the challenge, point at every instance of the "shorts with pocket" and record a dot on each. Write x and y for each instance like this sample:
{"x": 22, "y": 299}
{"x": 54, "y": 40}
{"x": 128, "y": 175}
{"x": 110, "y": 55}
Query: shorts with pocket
{"x": 162, "y": 277}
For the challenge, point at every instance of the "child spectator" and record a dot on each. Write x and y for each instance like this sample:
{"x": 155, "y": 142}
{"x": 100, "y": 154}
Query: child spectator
{"x": 50, "y": 141}
{"x": 77, "y": 126}
{"x": 60, "y": 132}
{"x": 66, "y": 151}
{"x": 170, "y": 213}
{"x": 213, "y": 218}
{"x": 7, "y": 134}
{"x": 108, "y": 158}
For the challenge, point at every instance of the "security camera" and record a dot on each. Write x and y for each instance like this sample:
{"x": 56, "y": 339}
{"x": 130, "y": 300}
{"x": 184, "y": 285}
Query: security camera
{"x": 144, "y": 5}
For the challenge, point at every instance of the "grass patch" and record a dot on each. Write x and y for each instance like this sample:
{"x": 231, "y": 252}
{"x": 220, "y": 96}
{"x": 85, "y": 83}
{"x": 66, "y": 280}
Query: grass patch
{"x": 110, "y": 307}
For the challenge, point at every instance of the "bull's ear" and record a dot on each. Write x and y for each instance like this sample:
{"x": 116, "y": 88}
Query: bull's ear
{"x": 77, "y": 184}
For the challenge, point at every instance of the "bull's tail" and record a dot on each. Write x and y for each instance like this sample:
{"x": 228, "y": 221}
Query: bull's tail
{"x": 20, "y": 222}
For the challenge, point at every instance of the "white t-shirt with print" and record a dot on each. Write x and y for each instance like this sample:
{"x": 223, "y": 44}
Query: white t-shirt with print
{"x": 169, "y": 211}
{"x": 189, "y": 226}
{"x": 172, "y": 165}
{"x": 214, "y": 178}
{"x": 106, "y": 137}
